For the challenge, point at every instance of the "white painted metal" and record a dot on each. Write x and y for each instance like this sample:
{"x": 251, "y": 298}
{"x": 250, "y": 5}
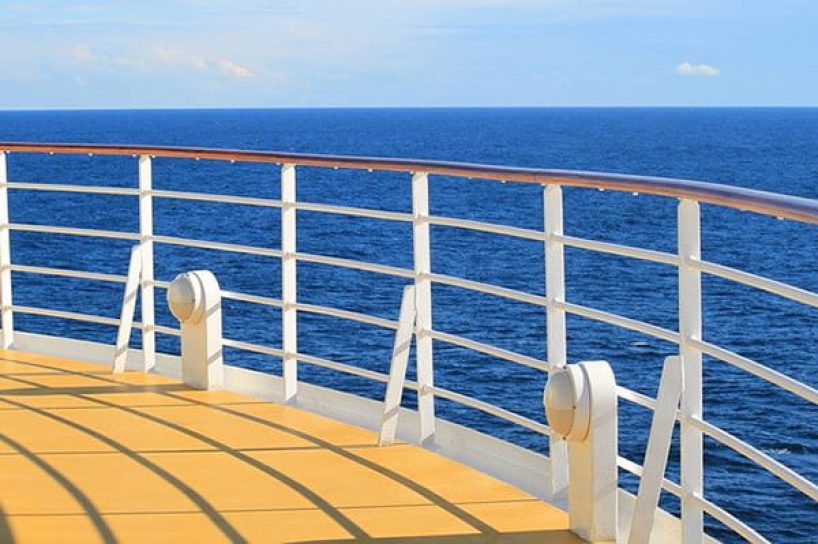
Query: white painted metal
{"x": 218, "y": 246}
{"x": 493, "y": 410}
{"x": 61, "y": 314}
{"x": 730, "y": 521}
{"x": 222, "y": 199}
{"x": 580, "y": 401}
{"x": 66, "y": 273}
{"x": 62, "y": 188}
{"x": 771, "y": 286}
{"x": 557, "y": 351}
{"x": 636, "y": 469}
{"x": 487, "y": 227}
{"x": 764, "y": 372}
{"x": 253, "y": 299}
{"x": 161, "y": 329}
{"x": 255, "y": 348}
{"x": 346, "y": 369}
{"x": 146, "y": 244}
{"x": 619, "y": 321}
{"x": 289, "y": 316}
{"x": 617, "y": 249}
{"x": 690, "y": 329}
{"x": 195, "y": 300}
{"x": 71, "y": 231}
{"x": 421, "y": 244}
{"x": 123, "y": 336}
{"x": 500, "y": 353}
{"x": 356, "y": 212}
{"x": 635, "y": 397}
{"x": 397, "y": 367}
{"x": 661, "y": 432}
{"x": 758, "y": 457}
{"x": 489, "y": 289}
{"x": 6, "y": 312}
{"x": 346, "y": 314}
{"x": 355, "y": 265}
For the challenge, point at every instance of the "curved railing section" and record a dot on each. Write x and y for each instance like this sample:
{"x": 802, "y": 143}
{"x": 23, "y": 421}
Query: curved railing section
{"x": 687, "y": 259}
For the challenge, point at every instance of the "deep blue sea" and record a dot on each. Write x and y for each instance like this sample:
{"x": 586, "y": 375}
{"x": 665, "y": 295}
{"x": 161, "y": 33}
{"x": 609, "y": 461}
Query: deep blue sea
{"x": 769, "y": 149}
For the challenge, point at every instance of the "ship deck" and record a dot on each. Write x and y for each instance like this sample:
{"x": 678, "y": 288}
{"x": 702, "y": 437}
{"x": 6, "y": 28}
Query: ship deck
{"x": 86, "y": 455}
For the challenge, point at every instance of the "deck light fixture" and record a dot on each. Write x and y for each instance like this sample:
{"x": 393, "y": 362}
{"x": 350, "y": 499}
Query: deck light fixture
{"x": 580, "y": 405}
{"x": 194, "y": 299}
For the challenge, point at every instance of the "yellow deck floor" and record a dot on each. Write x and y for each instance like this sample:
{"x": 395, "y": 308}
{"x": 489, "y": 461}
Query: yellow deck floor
{"x": 87, "y": 456}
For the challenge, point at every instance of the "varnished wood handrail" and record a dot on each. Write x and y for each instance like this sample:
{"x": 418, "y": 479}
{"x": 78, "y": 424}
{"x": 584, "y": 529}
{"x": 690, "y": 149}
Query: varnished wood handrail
{"x": 773, "y": 204}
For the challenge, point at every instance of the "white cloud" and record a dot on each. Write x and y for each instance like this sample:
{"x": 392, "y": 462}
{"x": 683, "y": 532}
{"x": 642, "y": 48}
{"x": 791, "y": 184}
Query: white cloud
{"x": 232, "y": 69}
{"x": 689, "y": 69}
{"x": 160, "y": 58}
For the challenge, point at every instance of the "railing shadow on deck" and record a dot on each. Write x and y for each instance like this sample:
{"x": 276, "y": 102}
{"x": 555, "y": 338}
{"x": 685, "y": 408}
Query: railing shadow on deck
{"x": 29, "y": 387}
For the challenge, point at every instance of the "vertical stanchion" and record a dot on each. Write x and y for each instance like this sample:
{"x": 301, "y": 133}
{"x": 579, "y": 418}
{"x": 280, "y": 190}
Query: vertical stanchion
{"x": 6, "y": 315}
{"x": 397, "y": 367}
{"x": 555, "y": 324}
{"x": 146, "y": 247}
{"x": 123, "y": 335}
{"x": 289, "y": 319}
{"x": 423, "y": 304}
{"x": 690, "y": 328}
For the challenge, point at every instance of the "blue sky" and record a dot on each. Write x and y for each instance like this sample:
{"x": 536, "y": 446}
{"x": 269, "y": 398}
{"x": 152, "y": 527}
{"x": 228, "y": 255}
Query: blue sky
{"x": 220, "y": 53}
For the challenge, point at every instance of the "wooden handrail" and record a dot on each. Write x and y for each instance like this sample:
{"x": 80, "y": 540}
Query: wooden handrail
{"x": 773, "y": 204}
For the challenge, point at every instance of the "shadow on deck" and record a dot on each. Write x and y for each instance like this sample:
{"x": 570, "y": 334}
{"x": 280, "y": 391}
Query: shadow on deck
{"x": 89, "y": 456}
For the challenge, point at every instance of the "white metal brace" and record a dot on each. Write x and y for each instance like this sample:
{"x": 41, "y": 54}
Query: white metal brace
{"x": 661, "y": 432}
{"x": 123, "y": 336}
{"x": 397, "y": 367}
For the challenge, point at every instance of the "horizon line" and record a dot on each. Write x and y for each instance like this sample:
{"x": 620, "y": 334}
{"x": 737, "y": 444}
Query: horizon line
{"x": 406, "y": 107}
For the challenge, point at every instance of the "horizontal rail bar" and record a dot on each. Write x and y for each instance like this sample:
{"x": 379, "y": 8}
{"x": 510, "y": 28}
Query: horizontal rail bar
{"x": 61, "y": 314}
{"x": 355, "y": 265}
{"x": 311, "y": 308}
{"x": 489, "y": 350}
{"x": 620, "y": 321}
{"x": 357, "y": 212}
{"x": 161, "y": 329}
{"x": 219, "y": 246}
{"x": 489, "y": 289}
{"x": 64, "y": 272}
{"x": 253, "y": 299}
{"x": 623, "y": 251}
{"x": 765, "y": 284}
{"x": 728, "y": 519}
{"x": 491, "y": 409}
{"x": 94, "y": 233}
{"x": 64, "y": 188}
{"x": 255, "y": 348}
{"x": 487, "y": 227}
{"x": 757, "y": 369}
{"x": 636, "y": 469}
{"x": 758, "y": 457}
{"x": 346, "y": 314}
{"x": 341, "y": 367}
{"x": 635, "y": 397}
{"x": 784, "y": 206}
{"x": 219, "y": 198}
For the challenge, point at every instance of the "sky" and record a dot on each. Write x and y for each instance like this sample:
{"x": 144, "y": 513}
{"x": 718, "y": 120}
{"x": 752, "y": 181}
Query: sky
{"x": 337, "y": 53}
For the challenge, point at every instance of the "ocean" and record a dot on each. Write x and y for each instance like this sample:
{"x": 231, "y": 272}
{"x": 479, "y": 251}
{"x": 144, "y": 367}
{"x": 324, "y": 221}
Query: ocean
{"x": 767, "y": 149}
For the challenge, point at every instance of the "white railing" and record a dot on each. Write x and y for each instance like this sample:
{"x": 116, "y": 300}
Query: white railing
{"x": 692, "y": 345}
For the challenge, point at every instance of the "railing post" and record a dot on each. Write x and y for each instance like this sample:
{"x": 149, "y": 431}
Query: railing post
{"x": 690, "y": 328}
{"x": 6, "y": 315}
{"x": 146, "y": 245}
{"x": 555, "y": 324}
{"x": 289, "y": 318}
{"x": 423, "y": 304}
